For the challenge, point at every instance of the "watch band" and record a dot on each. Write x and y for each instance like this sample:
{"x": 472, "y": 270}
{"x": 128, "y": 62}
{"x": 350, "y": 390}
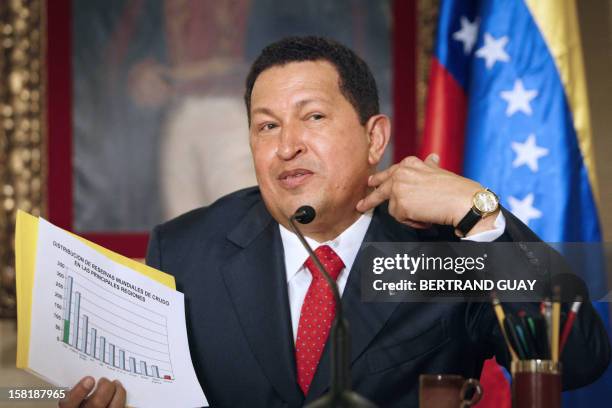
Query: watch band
{"x": 468, "y": 222}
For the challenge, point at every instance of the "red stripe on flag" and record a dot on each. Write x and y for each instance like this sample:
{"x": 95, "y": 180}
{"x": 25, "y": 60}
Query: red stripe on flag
{"x": 444, "y": 119}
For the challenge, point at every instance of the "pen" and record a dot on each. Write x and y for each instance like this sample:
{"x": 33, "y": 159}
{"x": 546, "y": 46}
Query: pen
{"x": 556, "y": 323}
{"x": 499, "y": 312}
{"x": 530, "y": 338}
{"x": 547, "y": 314}
{"x": 532, "y": 326}
{"x": 543, "y": 344}
{"x": 543, "y": 340}
{"x": 567, "y": 327}
{"x": 522, "y": 338}
{"x": 536, "y": 336}
{"x": 510, "y": 328}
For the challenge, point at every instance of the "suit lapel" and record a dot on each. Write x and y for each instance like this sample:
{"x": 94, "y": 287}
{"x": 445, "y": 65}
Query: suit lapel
{"x": 365, "y": 319}
{"x": 256, "y": 280}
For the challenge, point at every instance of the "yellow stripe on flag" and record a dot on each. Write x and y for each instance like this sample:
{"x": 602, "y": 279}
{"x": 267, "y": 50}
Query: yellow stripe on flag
{"x": 558, "y": 23}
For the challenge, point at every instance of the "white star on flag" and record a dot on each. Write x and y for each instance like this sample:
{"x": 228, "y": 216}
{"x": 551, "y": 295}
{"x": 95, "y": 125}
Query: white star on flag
{"x": 493, "y": 50}
{"x": 518, "y": 98}
{"x": 528, "y": 153}
{"x": 524, "y": 209}
{"x": 467, "y": 34}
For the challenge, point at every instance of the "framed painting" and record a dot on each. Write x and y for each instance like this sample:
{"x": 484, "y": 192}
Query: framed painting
{"x": 145, "y": 114}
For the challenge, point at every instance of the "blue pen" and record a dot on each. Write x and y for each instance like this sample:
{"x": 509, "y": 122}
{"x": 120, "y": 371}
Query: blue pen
{"x": 523, "y": 340}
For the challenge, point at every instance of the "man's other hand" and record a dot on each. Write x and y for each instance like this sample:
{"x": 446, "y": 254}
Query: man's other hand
{"x": 107, "y": 394}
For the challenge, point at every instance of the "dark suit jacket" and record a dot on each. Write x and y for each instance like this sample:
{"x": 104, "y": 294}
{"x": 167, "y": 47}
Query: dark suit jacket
{"x": 228, "y": 261}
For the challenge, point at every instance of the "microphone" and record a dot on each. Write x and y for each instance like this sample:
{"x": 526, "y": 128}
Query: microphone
{"x": 305, "y": 214}
{"x": 340, "y": 394}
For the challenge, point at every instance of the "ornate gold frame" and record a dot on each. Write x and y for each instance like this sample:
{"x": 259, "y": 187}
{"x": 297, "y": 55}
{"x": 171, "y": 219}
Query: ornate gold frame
{"x": 22, "y": 128}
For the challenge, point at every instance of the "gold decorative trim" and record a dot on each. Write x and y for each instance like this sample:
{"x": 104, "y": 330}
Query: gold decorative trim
{"x": 22, "y": 153}
{"x": 427, "y": 21}
{"x": 536, "y": 366}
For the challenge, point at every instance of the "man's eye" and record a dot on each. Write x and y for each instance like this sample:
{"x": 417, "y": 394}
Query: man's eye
{"x": 316, "y": 116}
{"x": 268, "y": 126}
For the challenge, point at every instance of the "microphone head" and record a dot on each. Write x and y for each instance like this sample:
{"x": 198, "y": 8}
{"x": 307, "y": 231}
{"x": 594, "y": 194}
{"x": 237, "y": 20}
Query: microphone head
{"x": 305, "y": 214}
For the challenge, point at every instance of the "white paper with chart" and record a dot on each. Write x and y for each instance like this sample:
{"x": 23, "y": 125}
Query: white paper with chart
{"x": 93, "y": 316}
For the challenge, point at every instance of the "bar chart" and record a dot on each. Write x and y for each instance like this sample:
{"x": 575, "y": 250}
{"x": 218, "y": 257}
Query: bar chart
{"x": 96, "y": 313}
{"x": 118, "y": 332}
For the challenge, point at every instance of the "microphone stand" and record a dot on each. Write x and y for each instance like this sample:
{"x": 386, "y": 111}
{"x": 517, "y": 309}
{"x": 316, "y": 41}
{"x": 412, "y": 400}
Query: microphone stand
{"x": 340, "y": 394}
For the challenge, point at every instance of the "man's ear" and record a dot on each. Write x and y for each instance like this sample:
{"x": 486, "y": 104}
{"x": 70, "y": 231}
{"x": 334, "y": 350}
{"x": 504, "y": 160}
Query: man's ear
{"x": 378, "y": 129}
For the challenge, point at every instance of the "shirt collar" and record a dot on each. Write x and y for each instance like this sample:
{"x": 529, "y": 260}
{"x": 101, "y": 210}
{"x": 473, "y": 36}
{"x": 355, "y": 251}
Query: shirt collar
{"x": 346, "y": 245}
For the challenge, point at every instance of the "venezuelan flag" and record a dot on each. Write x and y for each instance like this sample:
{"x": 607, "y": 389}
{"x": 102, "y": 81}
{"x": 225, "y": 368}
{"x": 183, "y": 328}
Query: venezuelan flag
{"x": 507, "y": 106}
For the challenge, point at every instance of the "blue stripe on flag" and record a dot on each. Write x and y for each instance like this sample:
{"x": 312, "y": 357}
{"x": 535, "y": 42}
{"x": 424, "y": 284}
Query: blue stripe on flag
{"x": 520, "y": 137}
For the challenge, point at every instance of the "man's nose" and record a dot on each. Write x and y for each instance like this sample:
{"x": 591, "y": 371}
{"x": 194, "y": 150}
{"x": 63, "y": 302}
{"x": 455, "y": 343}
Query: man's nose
{"x": 291, "y": 144}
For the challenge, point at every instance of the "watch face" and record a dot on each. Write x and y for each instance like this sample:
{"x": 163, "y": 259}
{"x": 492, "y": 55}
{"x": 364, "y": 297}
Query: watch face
{"x": 485, "y": 201}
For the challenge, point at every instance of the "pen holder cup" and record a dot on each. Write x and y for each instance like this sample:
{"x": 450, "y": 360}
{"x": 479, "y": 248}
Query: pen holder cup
{"x": 536, "y": 384}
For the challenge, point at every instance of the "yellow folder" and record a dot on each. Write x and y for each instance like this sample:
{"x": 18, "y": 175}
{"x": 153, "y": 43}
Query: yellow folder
{"x": 26, "y": 241}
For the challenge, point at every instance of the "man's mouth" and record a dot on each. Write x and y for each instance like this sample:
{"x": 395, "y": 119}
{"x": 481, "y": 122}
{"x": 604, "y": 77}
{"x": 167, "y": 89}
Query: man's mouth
{"x": 294, "y": 178}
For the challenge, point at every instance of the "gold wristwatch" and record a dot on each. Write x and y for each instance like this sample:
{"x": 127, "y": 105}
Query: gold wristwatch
{"x": 484, "y": 203}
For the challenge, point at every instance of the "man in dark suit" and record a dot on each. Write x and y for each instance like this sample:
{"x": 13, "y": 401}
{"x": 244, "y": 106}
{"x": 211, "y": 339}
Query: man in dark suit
{"x": 316, "y": 136}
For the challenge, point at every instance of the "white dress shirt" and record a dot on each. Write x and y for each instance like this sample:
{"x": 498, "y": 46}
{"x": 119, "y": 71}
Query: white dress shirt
{"x": 346, "y": 245}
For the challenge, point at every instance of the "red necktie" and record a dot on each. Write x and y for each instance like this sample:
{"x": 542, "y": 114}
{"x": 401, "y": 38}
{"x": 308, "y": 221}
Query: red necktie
{"x": 316, "y": 316}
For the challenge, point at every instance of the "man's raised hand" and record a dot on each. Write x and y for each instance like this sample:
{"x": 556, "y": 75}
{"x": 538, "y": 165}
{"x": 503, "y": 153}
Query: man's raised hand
{"x": 420, "y": 193}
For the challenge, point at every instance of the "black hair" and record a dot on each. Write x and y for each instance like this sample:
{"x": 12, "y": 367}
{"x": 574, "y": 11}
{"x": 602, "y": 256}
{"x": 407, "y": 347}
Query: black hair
{"x": 356, "y": 81}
